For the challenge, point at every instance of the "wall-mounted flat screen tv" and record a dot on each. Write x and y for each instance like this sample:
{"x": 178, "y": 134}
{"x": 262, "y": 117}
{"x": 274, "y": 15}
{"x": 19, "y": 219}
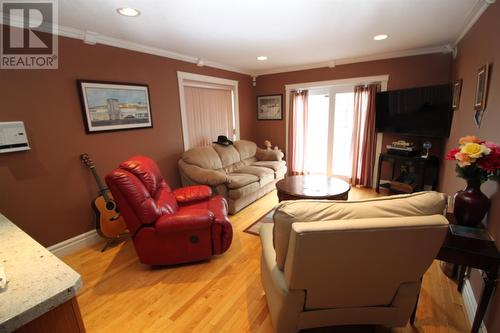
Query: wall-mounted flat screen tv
{"x": 424, "y": 111}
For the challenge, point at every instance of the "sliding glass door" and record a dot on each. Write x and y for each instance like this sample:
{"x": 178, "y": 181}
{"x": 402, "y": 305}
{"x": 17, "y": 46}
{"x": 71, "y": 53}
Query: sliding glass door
{"x": 329, "y": 132}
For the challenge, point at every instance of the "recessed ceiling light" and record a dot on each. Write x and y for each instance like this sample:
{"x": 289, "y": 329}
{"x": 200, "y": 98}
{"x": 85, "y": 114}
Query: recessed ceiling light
{"x": 127, "y": 11}
{"x": 380, "y": 37}
{"x": 261, "y": 58}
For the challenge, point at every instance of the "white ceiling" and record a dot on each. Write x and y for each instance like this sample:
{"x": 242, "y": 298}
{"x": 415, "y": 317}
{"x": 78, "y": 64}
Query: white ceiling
{"x": 291, "y": 33}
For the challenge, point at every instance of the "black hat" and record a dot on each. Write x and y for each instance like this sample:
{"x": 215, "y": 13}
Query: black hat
{"x": 223, "y": 140}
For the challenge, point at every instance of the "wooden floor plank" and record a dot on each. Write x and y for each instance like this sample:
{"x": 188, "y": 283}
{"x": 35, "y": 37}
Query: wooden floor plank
{"x": 221, "y": 295}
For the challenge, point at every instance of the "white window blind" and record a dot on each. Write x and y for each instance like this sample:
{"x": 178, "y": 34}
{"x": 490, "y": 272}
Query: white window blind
{"x": 209, "y": 113}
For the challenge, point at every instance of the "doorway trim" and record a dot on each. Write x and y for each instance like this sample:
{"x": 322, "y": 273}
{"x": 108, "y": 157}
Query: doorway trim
{"x": 205, "y": 81}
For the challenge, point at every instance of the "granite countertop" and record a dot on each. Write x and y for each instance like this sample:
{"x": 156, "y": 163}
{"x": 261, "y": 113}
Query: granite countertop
{"x": 37, "y": 280}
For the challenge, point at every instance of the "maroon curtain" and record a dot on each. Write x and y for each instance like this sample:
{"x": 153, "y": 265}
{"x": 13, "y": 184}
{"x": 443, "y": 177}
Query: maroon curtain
{"x": 297, "y": 134}
{"x": 364, "y": 136}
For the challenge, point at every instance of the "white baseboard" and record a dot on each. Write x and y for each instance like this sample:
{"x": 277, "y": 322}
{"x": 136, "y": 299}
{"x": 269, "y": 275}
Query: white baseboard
{"x": 74, "y": 244}
{"x": 471, "y": 305}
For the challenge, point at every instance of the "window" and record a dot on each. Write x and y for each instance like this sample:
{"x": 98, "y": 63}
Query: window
{"x": 327, "y": 129}
{"x": 208, "y": 109}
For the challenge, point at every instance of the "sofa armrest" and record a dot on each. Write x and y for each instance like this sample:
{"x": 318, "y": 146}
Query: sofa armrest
{"x": 187, "y": 219}
{"x": 192, "y": 193}
{"x": 268, "y": 155}
{"x": 202, "y": 176}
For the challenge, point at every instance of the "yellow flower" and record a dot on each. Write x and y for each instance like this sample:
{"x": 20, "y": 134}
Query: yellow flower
{"x": 469, "y": 138}
{"x": 474, "y": 150}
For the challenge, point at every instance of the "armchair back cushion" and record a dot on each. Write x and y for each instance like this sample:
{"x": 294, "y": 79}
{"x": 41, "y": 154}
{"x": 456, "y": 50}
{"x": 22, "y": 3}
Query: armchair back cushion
{"x": 138, "y": 182}
{"x": 289, "y": 212}
{"x": 361, "y": 262}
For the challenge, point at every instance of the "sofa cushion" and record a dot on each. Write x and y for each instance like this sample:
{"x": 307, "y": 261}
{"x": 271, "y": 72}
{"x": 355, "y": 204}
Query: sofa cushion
{"x": 203, "y": 157}
{"x": 228, "y": 154}
{"x": 265, "y": 175}
{"x": 288, "y": 212}
{"x": 237, "y": 180}
{"x": 269, "y": 178}
{"x": 244, "y": 191}
{"x": 275, "y": 165}
{"x": 255, "y": 170}
{"x": 280, "y": 173}
{"x": 246, "y": 149}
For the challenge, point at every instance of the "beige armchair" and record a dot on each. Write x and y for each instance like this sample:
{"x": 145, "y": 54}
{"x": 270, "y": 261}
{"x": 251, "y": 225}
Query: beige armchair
{"x": 335, "y": 263}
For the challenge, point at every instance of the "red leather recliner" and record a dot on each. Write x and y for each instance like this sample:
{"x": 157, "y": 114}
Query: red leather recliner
{"x": 168, "y": 227}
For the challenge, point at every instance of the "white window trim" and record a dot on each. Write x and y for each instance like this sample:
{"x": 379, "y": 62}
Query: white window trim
{"x": 205, "y": 81}
{"x": 382, "y": 79}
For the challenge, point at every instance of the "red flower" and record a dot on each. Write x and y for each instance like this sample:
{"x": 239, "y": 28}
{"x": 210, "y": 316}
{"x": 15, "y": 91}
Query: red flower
{"x": 490, "y": 162}
{"x": 451, "y": 154}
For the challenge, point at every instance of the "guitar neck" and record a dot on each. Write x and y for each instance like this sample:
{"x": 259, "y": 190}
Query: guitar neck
{"x": 103, "y": 190}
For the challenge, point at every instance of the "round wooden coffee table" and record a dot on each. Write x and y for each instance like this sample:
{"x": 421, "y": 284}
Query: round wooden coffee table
{"x": 312, "y": 187}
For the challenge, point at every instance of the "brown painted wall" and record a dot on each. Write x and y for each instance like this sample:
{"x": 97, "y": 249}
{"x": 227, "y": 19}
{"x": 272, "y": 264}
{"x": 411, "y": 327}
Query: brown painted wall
{"x": 480, "y": 46}
{"x": 46, "y": 191}
{"x": 403, "y": 73}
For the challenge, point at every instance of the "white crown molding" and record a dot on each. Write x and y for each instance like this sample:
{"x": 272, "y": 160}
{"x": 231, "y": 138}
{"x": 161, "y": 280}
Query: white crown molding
{"x": 475, "y": 13}
{"x": 92, "y": 38}
{"x": 123, "y": 44}
{"x": 345, "y": 61}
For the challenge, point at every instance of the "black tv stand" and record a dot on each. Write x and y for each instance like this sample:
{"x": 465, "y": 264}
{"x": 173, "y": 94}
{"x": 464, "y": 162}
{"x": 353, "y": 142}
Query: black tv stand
{"x": 422, "y": 165}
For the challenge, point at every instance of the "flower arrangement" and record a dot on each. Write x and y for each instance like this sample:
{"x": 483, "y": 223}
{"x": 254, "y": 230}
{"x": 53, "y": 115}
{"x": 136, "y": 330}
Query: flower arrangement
{"x": 476, "y": 159}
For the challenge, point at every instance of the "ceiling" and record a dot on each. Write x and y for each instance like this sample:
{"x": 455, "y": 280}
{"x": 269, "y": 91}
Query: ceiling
{"x": 291, "y": 33}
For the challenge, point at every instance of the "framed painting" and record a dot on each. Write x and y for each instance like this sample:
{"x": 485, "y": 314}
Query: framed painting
{"x": 270, "y": 107}
{"x": 481, "y": 88}
{"x": 114, "y": 106}
{"x": 457, "y": 90}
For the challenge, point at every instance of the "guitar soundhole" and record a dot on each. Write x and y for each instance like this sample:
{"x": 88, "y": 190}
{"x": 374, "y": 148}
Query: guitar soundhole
{"x": 110, "y": 205}
{"x": 194, "y": 239}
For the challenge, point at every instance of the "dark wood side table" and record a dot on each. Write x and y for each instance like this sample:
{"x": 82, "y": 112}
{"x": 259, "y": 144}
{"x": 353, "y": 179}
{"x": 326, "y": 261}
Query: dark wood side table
{"x": 421, "y": 165}
{"x": 312, "y": 187}
{"x": 475, "y": 253}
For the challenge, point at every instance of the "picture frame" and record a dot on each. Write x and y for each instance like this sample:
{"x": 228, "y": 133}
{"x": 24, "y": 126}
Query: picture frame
{"x": 457, "y": 91}
{"x": 270, "y": 107}
{"x": 114, "y": 106}
{"x": 481, "y": 92}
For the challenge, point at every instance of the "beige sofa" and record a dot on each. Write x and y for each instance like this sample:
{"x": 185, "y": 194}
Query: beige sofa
{"x": 329, "y": 263}
{"x": 241, "y": 173}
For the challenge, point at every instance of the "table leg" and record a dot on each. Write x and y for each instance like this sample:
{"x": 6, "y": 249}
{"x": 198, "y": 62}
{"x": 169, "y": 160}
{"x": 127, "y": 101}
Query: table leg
{"x": 379, "y": 170}
{"x": 490, "y": 281}
{"x": 414, "y": 313}
{"x": 461, "y": 277}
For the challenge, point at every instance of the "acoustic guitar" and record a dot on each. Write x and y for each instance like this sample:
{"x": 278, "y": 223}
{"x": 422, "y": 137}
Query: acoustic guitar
{"x": 109, "y": 223}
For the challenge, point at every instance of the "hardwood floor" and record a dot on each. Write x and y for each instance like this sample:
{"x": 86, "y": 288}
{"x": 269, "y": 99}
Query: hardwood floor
{"x": 222, "y": 295}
